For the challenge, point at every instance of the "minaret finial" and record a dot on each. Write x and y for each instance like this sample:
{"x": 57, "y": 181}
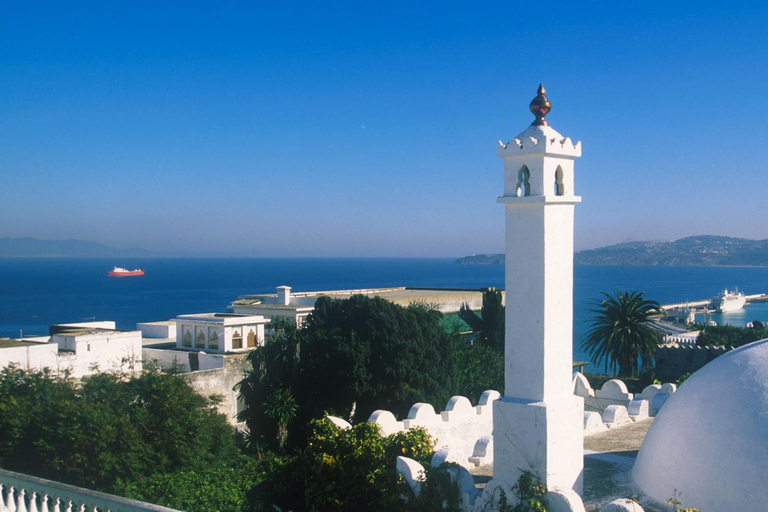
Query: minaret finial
{"x": 540, "y": 107}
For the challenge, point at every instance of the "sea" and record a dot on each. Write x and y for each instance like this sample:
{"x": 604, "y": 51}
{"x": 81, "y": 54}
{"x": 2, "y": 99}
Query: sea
{"x": 36, "y": 293}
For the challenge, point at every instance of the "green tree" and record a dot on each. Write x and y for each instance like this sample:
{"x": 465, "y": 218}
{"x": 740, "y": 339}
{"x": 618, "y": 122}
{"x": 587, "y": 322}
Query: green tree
{"x": 620, "y": 335}
{"x": 105, "y": 429}
{"x": 347, "y": 470}
{"x": 489, "y": 326}
{"x": 481, "y": 369}
{"x": 266, "y": 390}
{"x": 729, "y": 335}
{"x": 361, "y": 354}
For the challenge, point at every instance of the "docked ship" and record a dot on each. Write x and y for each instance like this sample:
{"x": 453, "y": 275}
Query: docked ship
{"x": 122, "y": 272}
{"x": 729, "y": 301}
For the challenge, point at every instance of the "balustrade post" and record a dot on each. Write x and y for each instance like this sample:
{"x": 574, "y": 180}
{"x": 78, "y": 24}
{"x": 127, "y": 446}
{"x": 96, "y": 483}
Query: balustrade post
{"x": 33, "y": 502}
{"x": 10, "y": 501}
{"x": 44, "y": 507}
{"x": 21, "y": 502}
{"x": 2, "y": 501}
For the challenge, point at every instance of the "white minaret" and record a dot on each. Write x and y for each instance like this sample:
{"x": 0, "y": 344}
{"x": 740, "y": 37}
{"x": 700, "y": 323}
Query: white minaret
{"x": 538, "y": 423}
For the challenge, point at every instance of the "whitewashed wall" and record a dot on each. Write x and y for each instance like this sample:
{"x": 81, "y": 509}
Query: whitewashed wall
{"x": 456, "y": 430}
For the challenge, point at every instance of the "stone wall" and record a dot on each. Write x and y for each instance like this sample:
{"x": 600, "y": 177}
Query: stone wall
{"x": 221, "y": 381}
{"x": 462, "y": 432}
{"x": 676, "y": 359}
{"x": 612, "y": 405}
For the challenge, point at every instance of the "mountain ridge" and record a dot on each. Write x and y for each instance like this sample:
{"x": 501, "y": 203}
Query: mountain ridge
{"x": 699, "y": 250}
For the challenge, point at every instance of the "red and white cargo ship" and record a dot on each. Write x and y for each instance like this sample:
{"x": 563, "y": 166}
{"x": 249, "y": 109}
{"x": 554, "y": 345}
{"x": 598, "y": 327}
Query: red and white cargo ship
{"x": 121, "y": 272}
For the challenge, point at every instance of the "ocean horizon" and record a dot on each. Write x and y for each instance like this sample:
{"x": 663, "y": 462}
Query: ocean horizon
{"x": 38, "y": 292}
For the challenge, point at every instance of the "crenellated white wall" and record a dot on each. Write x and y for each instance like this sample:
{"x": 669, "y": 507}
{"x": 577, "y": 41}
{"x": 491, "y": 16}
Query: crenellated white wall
{"x": 612, "y": 405}
{"x": 455, "y": 430}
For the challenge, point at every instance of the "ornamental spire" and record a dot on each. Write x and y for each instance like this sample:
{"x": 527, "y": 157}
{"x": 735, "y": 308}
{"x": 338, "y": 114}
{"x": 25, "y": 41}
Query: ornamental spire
{"x": 540, "y": 107}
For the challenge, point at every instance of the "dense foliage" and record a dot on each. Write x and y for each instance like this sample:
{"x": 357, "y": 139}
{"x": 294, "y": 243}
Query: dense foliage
{"x": 620, "y": 336}
{"x": 211, "y": 489}
{"x": 362, "y": 354}
{"x": 730, "y": 336}
{"x": 353, "y": 470}
{"x": 489, "y": 326}
{"x": 479, "y": 369}
{"x": 268, "y": 388}
{"x": 355, "y": 356}
{"x": 107, "y": 428}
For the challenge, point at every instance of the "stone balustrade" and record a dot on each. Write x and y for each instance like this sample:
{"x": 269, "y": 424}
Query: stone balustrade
{"x": 24, "y": 493}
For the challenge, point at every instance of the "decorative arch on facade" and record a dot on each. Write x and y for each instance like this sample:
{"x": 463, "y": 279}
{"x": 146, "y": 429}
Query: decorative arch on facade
{"x": 524, "y": 182}
{"x": 559, "y": 185}
{"x": 213, "y": 338}
{"x": 237, "y": 339}
{"x": 186, "y": 338}
{"x": 200, "y": 339}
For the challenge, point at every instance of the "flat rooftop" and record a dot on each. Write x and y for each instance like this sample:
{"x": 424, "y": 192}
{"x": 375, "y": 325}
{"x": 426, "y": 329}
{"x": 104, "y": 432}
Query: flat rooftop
{"x": 449, "y": 297}
{"x": 11, "y": 343}
{"x": 81, "y": 331}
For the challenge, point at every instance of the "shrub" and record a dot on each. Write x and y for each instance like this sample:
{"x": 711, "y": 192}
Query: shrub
{"x": 343, "y": 470}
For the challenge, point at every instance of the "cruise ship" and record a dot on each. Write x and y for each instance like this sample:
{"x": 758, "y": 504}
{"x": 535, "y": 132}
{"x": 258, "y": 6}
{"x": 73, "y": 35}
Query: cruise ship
{"x": 729, "y": 301}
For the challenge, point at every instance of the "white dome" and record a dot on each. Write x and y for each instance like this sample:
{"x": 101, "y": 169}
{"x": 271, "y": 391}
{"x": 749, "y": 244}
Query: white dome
{"x": 539, "y": 131}
{"x": 709, "y": 444}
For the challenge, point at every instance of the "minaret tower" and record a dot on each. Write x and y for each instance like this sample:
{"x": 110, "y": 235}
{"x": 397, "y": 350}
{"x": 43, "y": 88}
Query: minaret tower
{"x": 538, "y": 422}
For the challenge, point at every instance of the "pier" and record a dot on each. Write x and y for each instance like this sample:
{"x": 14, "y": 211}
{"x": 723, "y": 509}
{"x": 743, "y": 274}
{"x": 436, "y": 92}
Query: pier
{"x": 694, "y": 304}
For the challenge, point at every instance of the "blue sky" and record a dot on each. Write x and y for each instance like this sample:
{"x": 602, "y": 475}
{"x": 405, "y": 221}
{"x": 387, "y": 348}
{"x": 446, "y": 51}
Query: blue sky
{"x": 370, "y": 129}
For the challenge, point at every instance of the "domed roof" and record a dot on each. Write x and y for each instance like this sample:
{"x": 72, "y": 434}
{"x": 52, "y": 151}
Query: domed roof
{"x": 708, "y": 447}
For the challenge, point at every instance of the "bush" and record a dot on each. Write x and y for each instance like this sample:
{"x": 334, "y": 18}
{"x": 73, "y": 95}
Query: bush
{"x": 343, "y": 470}
{"x": 730, "y": 336}
{"x": 211, "y": 489}
{"x": 107, "y": 428}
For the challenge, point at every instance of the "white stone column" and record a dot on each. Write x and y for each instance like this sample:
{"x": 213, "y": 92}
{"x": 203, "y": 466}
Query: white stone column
{"x": 538, "y": 421}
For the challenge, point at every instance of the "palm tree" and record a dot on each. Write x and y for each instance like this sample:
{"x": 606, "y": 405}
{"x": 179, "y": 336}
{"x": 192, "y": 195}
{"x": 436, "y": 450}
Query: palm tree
{"x": 620, "y": 334}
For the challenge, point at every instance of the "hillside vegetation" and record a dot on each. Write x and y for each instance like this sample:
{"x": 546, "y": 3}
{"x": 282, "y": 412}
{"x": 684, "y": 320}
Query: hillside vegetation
{"x": 703, "y": 250}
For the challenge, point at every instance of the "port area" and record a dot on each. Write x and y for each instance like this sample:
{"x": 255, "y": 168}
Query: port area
{"x": 676, "y": 319}
{"x": 705, "y": 306}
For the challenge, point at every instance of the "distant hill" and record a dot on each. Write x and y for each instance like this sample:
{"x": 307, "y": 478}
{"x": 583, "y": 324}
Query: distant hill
{"x": 482, "y": 259}
{"x": 36, "y": 248}
{"x": 703, "y": 250}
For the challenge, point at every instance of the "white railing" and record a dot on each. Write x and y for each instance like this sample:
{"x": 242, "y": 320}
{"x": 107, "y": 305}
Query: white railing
{"x": 24, "y": 493}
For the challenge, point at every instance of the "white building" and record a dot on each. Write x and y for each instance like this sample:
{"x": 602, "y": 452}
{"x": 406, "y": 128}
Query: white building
{"x": 219, "y": 332}
{"x": 154, "y": 331}
{"x": 298, "y": 305}
{"x": 82, "y": 349}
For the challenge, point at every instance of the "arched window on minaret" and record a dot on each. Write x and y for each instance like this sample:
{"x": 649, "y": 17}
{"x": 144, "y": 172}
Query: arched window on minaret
{"x": 559, "y": 186}
{"x": 524, "y": 182}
